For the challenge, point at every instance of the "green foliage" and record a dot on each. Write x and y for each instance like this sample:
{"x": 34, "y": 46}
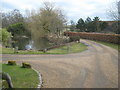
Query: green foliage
{"x": 4, "y": 84}
{"x": 0, "y": 35}
{"x": 26, "y": 65}
{"x": 96, "y": 19}
{"x": 6, "y": 37}
{"x": 88, "y": 20}
{"x": 11, "y": 62}
{"x": 17, "y": 29}
{"x": 19, "y": 33}
{"x": 72, "y": 26}
{"x": 96, "y": 27}
{"x": 81, "y": 25}
{"x": 90, "y": 25}
{"x": 103, "y": 25}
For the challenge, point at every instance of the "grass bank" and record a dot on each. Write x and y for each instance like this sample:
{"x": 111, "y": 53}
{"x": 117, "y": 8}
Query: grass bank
{"x": 21, "y": 77}
{"x": 71, "y": 48}
{"x": 112, "y": 45}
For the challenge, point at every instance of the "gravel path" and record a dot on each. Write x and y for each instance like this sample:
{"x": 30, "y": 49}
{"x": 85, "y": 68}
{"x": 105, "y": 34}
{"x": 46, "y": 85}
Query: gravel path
{"x": 95, "y": 68}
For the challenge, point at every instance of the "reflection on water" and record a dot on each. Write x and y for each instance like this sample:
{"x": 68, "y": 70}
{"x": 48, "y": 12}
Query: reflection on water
{"x": 41, "y": 43}
{"x": 38, "y": 43}
{"x": 21, "y": 43}
{"x": 27, "y": 44}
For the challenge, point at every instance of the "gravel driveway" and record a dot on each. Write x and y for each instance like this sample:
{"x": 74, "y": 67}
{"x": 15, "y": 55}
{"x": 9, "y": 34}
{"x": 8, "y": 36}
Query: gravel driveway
{"x": 96, "y": 67}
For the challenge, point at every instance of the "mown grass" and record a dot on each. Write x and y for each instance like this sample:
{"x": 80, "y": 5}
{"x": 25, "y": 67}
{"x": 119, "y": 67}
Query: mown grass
{"x": 72, "y": 48}
{"x": 112, "y": 45}
{"x": 21, "y": 77}
{"x": 0, "y": 77}
{"x": 7, "y": 50}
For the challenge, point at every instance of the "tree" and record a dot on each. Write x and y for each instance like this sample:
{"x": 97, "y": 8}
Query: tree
{"x": 17, "y": 30}
{"x": 72, "y": 26}
{"x": 103, "y": 25}
{"x": 20, "y": 33}
{"x": 6, "y": 37}
{"x": 88, "y": 24}
{"x": 88, "y": 20}
{"x": 11, "y": 17}
{"x": 81, "y": 25}
{"x": 47, "y": 21}
{"x": 96, "y": 19}
{"x": 113, "y": 12}
{"x": 118, "y": 25}
{"x": 96, "y": 24}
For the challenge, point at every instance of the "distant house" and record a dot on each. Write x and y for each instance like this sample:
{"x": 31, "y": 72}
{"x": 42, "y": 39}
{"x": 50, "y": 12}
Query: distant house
{"x": 109, "y": 22}
{"x": 112, "y": 26}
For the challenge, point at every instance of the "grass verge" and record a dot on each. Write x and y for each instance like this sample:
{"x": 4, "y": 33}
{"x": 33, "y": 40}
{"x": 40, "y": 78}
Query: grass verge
{"x": 21, "y": 77}
{"x": 72, "y": 48}
{"x": 112, "y": 45}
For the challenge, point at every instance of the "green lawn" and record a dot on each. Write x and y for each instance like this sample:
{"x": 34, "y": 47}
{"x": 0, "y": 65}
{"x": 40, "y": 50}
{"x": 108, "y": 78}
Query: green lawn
{"x": 115, "y": 46}
{"x": 7, "y": 50}
{"x": 0, "y": 67}
{"x": 21, "y": 77}
{"x": 0, "y": 77}
{"x": 73, "y": 48}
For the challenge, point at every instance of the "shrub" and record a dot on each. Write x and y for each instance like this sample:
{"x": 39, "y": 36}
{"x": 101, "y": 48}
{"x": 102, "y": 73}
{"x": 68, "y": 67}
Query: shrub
{"x": 26, "y": 65}
{"x": 74, "y": 38}
{"x": 5, "y": 37}
{"x": 11, "y": 62}
{"x": 17, "y": 29}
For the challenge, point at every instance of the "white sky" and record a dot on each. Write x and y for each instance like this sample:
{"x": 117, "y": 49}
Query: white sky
{"x": 74, "y": 9}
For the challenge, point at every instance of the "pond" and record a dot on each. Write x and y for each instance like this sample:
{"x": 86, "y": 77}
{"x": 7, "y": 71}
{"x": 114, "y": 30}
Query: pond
{"x": 28, "y": 44}
{"x": 41, "y": 44}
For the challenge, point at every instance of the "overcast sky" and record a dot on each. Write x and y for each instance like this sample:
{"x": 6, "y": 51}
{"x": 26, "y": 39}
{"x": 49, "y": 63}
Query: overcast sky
{"x": 74, "y": 9}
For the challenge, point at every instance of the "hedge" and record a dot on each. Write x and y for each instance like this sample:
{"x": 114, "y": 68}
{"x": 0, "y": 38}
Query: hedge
{"x": 112, "y": 38}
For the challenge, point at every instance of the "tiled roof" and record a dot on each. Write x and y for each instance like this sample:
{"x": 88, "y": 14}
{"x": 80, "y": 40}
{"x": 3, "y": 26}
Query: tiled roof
{"x": 109, "y": 22}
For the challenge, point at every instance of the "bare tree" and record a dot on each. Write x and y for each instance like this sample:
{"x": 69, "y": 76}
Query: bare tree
{"x": 113, "y": 11}
{"x": 72, "y": 26}
{"x": 119, "y": 10}
{"x": 11, "y": 17}
{"x": 45, "y": 22}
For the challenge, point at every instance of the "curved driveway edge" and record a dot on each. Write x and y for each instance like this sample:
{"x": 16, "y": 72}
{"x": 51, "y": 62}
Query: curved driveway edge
{"x": 39, "y": 77}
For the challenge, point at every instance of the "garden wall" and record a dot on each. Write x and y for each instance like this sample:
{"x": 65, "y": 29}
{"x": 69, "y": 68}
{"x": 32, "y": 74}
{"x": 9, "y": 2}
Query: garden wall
{"x": 112, "y": 38}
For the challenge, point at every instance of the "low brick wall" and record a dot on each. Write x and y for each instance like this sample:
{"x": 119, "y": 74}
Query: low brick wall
{"x": 112, "y": 38}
